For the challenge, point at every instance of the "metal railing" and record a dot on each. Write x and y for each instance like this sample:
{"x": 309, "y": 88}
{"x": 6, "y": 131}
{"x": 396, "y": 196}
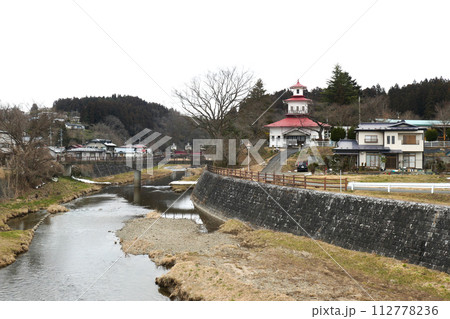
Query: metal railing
{"x": 282, "y": 179}
{"x": 124, "y": 159}
{"x": 437, "y": 144}
{"x": 388, "y": 186}
{"x": 324, "y": 143}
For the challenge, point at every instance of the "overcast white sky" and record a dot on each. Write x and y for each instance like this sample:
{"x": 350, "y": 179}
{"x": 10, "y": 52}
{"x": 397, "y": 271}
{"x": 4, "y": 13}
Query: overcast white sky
{"x": 50, "y": 49}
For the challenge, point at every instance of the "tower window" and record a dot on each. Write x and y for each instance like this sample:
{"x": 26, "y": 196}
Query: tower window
{"x": 298, "y": 91}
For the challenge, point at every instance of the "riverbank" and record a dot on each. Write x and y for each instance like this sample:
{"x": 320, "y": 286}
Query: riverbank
{"x": 13, "y": 243}
{"x": 240, "y": 263}
{"x": 193, "y": 174}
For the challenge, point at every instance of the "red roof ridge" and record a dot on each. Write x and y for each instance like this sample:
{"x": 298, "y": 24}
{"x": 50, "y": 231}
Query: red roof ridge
{"x": 295, "y": 121}
{"x": 298, "y": 85}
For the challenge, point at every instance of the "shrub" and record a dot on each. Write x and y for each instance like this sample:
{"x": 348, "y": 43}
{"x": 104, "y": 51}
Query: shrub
{"x": 312, "y": 167}
{"x": 351, "y": 134}
{"x": 337, "y": 134}
{"x": 431, "y": 135}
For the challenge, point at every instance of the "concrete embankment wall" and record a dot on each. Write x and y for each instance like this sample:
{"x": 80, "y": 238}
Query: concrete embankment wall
{"x": 417, "y": 233}
{"x": 100, "y": 169}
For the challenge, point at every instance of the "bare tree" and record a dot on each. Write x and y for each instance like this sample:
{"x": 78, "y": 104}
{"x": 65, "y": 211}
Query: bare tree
{"x": 376, "y": 107}
{"x": 208, "y": 99}
{"x": 409, "y": 115}
{"x": 111, "y": 128}
{"x": 443, "y": 115}
{"x": 24, "y": 141}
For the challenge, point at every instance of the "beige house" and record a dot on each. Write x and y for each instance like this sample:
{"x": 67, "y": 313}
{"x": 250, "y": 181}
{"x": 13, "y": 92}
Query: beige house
{"x": 386, "y": 145}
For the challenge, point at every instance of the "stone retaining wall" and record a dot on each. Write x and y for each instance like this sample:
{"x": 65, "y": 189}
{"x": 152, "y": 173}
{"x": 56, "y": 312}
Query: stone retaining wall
{"x": 416, "y": 233}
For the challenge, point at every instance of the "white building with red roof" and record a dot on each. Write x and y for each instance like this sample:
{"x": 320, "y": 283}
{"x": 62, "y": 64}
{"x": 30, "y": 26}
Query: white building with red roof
{"x": 297, "y": 128}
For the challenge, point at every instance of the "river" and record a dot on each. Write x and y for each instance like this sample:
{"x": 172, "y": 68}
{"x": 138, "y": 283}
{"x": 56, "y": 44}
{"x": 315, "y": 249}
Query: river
{"x": 71, "y": 252}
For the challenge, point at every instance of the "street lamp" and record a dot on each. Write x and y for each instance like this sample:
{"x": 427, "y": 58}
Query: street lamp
{"x": 248, "y": 155}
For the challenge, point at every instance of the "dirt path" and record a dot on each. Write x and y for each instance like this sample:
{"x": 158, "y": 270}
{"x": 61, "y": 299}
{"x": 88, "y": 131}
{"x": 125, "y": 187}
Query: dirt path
{"x": 239, "y": 263}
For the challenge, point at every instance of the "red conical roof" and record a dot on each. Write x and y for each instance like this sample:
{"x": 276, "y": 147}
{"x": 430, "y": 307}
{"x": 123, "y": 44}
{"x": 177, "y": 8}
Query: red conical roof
{"x": 298, "y": 86}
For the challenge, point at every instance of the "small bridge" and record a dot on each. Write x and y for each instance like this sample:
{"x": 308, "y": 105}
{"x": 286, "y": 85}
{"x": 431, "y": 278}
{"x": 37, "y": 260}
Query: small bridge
{"x": 143, "y": 160}
{"x": 136, "y": 163}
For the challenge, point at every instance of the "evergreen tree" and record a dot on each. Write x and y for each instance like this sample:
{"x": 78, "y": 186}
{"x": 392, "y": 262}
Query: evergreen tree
{"x": 342, "y": 89}
{"x": 337, "y": 134}
{"x": 351, "y": 134}
{"x": 431, "y": 135}
{"x": 258, "y": 90}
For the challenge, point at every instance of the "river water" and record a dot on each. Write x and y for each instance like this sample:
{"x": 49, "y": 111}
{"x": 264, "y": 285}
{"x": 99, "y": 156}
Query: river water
{"x": 71, "y": 252}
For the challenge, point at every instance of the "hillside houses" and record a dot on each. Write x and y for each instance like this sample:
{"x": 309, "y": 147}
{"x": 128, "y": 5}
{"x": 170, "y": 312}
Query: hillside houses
{"x": 386, "y": 145}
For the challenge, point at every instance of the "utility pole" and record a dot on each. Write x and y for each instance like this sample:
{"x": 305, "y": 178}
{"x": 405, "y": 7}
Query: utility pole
{"x": 50, "y": 135}
{"x": 60, "y": 137}
{"x": 359, "y": 108}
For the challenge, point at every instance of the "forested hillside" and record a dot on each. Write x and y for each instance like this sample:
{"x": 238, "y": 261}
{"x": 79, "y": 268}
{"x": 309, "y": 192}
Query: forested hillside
{"x": 134, "y": 113}
{"x": 419, "y": 98}
{"x": 119, "y": 117}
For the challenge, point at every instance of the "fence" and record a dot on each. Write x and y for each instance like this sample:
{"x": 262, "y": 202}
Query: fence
{"x": 144, "y": 158}
{"x": 405, "y": 186}
{"x": 437, "y": 144}
{"x": 282, "y": 179}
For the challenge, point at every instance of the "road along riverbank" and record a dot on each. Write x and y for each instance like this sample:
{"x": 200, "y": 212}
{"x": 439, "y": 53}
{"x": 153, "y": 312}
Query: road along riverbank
{"x": 240, "y": 263}
{"x": 13, "y": 243}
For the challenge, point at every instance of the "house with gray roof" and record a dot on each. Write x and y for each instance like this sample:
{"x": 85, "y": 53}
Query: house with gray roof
{"x": 386, "y": 145}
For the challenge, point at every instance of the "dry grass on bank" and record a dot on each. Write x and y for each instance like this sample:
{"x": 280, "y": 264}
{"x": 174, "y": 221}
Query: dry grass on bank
{"x": 426, "y": 198}
{"x": 13, "y": 243}
{"x": 290, "y": 164}
{"x": 381, "y": 276}
{"x": 51, "y": 193}
{"x": 269, "y": 265}
{"x": 397, "y": 178}
{"x": 128, "y": 177}
{"x": 195, "y": 175}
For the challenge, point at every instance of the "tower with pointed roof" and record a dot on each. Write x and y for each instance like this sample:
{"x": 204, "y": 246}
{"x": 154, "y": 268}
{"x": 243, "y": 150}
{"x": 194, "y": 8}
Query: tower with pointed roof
{"x": 298, "y": 104}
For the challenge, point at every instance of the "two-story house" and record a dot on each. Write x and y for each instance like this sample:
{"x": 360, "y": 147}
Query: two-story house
{"x": 386, "y": 145}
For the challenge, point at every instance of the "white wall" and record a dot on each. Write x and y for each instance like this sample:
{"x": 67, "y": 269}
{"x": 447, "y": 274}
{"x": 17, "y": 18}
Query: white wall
{"x": 300, "y": 104}
{"x": 362, "y": 135}
{"x": 281, "y": 142}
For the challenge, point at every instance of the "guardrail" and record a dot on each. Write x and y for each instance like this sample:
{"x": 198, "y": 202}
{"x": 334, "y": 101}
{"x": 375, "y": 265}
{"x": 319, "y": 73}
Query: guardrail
{"x": 389, "y": 186}
{"x": 68, "y": 159}
{"x": 437, "y": 144}
{"x": 282, "y": 179}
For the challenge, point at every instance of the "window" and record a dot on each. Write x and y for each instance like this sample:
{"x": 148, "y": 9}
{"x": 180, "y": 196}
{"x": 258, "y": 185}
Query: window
{"x": 273, "y": 137}
{"x": 393, "y": 139}
{"x": 371, "y": 139}
{"x": 373, "y": 160}
{"x": 278, "y": 137}
{"x": 409, "y": 139}
{"x": 292, "y": 109}
{"x": 388, "y": 140}
{"x": 297, "y": 108}
{"x": 409, "y": 160}
{"x": 303, "y": 108}
{"x": 298, "y": 91}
